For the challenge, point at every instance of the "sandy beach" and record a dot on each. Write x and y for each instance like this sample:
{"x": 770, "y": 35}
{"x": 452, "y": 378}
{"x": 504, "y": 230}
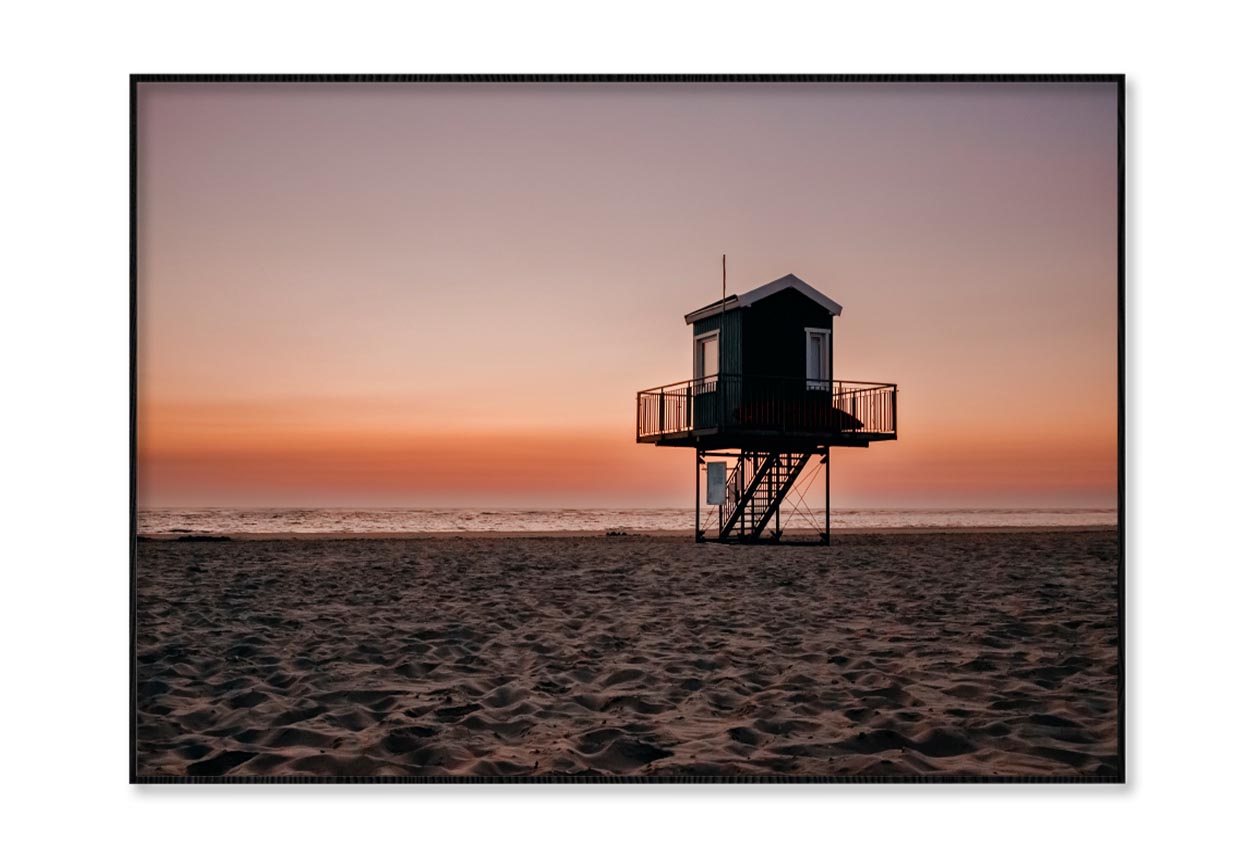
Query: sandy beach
{"x": 946, "y": 653}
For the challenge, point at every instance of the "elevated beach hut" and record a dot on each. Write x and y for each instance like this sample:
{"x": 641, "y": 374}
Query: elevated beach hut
{"x": 762, "y": 387}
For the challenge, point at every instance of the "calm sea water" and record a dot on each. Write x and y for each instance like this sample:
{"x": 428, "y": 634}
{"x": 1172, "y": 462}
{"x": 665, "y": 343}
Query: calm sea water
{"x": 226, "y": 521}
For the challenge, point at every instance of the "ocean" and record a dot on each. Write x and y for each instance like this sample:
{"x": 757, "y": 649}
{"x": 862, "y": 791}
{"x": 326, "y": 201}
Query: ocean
{"x": 225, "y": 521}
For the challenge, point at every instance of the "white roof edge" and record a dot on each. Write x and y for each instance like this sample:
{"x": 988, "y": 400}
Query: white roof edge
{"x": 744, "y": 300}
{"x": 732, "y": 302}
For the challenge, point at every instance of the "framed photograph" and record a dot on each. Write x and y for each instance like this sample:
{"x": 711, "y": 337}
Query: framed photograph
{"x": 627, "y": 428}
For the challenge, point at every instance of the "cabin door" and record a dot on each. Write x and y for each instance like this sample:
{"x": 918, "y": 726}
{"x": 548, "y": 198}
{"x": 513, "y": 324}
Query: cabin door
{"x": 705, "y": 364}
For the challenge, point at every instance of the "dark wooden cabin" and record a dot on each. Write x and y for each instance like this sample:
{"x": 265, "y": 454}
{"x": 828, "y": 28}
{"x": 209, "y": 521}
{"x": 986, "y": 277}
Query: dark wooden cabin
{"x": 762, "y": 383}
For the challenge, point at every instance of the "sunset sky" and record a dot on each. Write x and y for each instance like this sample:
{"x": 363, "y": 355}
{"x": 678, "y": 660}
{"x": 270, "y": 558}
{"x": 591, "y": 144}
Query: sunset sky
{"x": 448, "y": 295}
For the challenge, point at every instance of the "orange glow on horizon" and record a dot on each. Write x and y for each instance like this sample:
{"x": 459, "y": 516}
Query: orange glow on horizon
{"x": 204, "y": 456}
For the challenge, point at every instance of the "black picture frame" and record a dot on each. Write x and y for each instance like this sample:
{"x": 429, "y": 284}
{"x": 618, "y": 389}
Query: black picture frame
{"x": 137, "y": 80}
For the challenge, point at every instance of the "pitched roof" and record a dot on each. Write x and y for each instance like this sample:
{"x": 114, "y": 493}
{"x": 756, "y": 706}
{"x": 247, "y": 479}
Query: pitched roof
{"x": 757, "y": 294}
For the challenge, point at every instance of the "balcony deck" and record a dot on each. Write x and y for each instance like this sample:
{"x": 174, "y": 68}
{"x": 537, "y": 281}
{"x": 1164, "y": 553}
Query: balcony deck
{"x": 766, "y": 413}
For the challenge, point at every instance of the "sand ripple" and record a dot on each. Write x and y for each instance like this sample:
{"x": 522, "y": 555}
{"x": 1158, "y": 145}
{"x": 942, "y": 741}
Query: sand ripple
{"x": 969, "y": 653}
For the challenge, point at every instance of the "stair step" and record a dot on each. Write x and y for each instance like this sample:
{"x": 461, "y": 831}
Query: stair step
{"x": 759, "y": 484}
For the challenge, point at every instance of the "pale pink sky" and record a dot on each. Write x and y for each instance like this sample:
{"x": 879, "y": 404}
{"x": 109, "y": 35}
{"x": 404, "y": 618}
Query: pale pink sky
{"x": 449, "y": 294}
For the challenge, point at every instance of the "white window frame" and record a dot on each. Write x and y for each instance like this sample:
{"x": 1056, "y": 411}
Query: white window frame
{"x": 703, "y": 381}
{"x": 820, "y": 382}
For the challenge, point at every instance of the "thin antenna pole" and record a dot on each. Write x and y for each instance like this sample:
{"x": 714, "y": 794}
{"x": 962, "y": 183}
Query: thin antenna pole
{"x": 722, "y": 327}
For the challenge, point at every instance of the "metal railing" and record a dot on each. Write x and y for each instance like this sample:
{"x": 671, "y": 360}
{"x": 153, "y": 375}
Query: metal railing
{"x": 767, "y": 404}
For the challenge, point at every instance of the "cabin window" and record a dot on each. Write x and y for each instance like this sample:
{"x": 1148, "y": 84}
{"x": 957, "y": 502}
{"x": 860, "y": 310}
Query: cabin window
{"x": 705, "y": 362}
{"x": 818, "y": 359}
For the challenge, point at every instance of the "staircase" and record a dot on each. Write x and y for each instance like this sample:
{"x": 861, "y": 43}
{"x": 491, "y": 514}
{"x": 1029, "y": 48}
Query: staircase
{"x": 755, "y": 491}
